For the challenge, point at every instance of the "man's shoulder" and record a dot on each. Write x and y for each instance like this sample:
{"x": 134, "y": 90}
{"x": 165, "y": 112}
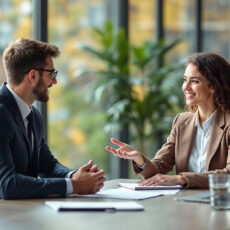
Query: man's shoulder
{"x": 3, "y": 107}
{"x": 6, "y": 120}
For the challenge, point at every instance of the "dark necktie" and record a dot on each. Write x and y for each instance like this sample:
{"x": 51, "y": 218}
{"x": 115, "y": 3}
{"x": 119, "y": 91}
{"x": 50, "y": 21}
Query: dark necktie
{"x": 30, "y": 119}
{"x": 32, "y": 167}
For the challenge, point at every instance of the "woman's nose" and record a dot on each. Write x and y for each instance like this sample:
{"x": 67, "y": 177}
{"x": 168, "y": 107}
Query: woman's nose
{"x": 186, "y": 85}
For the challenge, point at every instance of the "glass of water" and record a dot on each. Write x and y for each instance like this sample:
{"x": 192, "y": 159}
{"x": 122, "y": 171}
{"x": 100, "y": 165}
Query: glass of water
{"x": 219, "y": 187}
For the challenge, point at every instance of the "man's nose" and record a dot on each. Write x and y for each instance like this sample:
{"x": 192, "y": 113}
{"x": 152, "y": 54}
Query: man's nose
{"x": 54, "y": 81}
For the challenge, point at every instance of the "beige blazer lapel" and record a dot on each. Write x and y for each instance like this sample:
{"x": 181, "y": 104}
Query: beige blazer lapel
{"x": 187, "y": 134}
{"x": 216, "y": 135}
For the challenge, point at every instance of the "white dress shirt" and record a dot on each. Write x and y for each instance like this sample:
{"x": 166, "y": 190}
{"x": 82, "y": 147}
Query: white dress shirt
{"x": 197, "y": 160}
{"x": 25, "y": 111}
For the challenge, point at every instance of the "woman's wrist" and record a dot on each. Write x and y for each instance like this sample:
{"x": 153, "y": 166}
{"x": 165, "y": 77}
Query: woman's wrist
{"x": 182, "y": 180}
{"x": 139, "y": 160}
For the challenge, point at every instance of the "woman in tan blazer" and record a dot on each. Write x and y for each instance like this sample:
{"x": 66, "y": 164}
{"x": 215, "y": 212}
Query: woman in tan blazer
{"x": 199, "y": 142}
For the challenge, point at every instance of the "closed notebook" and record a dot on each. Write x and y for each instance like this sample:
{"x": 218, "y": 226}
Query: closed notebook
{"x": 200, "y": 197}
{"x": 94, "y": 206}
{"x": 135, "y": 186}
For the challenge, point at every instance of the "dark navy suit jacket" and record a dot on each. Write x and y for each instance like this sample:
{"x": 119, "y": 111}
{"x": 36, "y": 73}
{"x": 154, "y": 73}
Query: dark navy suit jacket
{"x": 18, "y": 173}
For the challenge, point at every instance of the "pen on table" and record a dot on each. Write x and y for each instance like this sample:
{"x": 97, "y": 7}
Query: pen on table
{"x": 88, "y": 209}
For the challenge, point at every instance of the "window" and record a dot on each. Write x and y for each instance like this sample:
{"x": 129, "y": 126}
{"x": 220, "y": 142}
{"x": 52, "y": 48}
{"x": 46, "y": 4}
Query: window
{"x": 15, "y": 22}
{"x": 141, "y": 21}
{"x": 180, "y": 25}
{"x": 75, "y": 126}
{"x": 216, "y": 27}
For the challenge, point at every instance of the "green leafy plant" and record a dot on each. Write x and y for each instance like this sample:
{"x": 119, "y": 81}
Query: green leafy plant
{"x": 132, "y": 86}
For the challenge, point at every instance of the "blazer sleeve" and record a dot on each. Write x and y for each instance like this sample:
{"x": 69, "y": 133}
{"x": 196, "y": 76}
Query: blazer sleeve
{"x": 164, "y": 160}
{"x": 15, "y": 185}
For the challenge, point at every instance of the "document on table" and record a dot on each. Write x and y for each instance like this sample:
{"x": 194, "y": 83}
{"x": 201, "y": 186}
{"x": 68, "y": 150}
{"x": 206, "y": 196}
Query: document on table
{"x": 135, "y": 186}
{"x": 123, "y": 193}
{"x": 94, "y": 206}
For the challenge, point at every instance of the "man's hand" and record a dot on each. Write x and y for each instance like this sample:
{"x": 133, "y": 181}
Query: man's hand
{"x": 125, "y": 151}
{"x": 88, "y": 179}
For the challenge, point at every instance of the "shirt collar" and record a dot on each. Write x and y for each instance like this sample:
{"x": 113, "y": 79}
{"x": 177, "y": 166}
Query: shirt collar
{"x": 23, "y": 107}
{"x": 205, "y": 123}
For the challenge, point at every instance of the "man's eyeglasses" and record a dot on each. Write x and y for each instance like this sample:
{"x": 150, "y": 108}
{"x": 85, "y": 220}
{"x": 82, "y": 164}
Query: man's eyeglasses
{"x": 53, "y": 72}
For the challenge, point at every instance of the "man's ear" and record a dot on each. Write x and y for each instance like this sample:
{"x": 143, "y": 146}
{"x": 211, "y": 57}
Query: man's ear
{"x": 32, "y": 76}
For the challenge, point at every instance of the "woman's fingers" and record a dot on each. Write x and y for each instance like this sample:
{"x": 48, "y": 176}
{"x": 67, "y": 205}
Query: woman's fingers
{"x": 117, "y": 152}
{"x": 123, "y": 151}
{"x": 117, "y": 142}
{"x": 161, "y": 179}
{"x": 112, "y": 150}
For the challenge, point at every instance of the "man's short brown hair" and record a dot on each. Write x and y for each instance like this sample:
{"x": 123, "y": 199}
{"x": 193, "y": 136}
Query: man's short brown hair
{"x": 25, "y": 54}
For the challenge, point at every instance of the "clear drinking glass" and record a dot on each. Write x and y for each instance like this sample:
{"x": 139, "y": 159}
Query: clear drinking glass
{"x": 219, "y": 187}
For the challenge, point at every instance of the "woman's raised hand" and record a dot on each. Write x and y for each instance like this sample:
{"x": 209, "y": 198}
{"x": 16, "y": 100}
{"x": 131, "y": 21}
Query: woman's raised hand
{"x": 125, "y": 151}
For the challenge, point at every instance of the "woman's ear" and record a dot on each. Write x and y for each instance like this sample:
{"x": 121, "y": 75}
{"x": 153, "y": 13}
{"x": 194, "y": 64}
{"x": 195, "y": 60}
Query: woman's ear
{"x": 213, "y": 90}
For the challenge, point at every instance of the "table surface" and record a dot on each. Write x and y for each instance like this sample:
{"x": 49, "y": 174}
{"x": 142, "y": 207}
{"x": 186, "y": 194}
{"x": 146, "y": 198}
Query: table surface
{"x": 159, "y": 213}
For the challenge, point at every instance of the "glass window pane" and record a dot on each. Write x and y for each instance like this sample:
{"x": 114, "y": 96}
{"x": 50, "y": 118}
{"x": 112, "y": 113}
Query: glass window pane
{"x": 75, "y": 126}
{"x": 216, "y": 27}
{"x": 15, "y": 22}
{"x": 180, "y": 25}
{"x": 141, "y": 21}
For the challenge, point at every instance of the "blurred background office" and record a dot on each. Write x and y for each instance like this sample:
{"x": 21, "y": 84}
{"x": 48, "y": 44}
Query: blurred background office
{"x": 76, "y": 128}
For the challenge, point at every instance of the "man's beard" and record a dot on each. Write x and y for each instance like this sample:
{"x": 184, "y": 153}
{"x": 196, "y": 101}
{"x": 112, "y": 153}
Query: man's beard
{"x": 40, "y": 91}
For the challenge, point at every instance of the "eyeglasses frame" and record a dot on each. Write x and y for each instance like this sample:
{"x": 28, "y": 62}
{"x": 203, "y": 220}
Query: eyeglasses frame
{"x": 53, "y": 75}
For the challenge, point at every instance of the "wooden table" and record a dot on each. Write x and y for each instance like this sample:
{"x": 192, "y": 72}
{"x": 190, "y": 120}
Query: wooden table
{"x": 160, "y": 213}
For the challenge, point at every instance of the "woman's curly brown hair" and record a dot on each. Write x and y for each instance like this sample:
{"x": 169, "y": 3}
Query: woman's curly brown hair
{"x": 216, "y": 70}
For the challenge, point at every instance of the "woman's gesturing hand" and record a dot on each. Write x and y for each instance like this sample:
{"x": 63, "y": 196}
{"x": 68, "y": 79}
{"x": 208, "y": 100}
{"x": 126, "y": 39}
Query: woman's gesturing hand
{"x": 125, "y": 151}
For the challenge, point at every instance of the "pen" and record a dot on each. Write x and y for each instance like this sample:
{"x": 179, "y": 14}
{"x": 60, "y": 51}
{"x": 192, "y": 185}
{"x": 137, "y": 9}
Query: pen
{"x": 87, "y": 209}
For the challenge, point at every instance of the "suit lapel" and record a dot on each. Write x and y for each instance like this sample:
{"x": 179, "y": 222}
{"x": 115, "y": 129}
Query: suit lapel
{"x": 216, "y": 135}
{"x": 12, "y": 105}
{"x": 187, "y": 135}
{"x": 13, "y": 108}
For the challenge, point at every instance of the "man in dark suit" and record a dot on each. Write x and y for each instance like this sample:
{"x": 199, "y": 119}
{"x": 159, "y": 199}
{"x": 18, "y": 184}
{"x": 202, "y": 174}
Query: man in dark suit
{"x": 27, "y": 167}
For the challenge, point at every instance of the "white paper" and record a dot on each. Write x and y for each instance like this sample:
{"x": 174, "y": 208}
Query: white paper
{"x": 135, "y": 186}
{"x": 94, "y": 206}
{"x": 122, "y": 193}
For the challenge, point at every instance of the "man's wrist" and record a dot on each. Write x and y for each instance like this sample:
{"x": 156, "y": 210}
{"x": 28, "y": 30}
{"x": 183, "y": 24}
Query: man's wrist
{"x": 69, "y": 174}
{"x": 69, "y": 186}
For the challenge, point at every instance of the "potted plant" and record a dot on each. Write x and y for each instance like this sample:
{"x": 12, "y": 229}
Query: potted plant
{"x": 132, "y": 87}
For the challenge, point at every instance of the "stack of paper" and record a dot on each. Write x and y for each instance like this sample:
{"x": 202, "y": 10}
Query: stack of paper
{"x": 128, "y": 194}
